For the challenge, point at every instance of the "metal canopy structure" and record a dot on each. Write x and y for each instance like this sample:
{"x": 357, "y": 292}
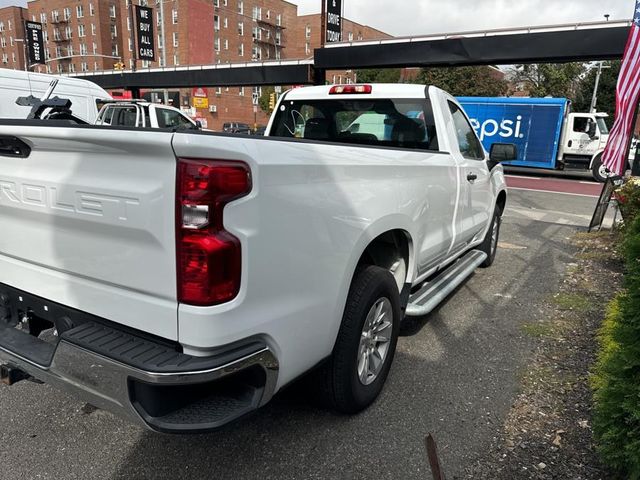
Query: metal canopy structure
{"x": 228, "y": 75}
{"x": 547, "y": 44}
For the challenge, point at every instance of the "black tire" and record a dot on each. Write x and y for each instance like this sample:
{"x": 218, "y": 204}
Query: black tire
{"x": 340, "y": 384}
{"x": 490, "y": 243}
{"x": 595, "y": 170}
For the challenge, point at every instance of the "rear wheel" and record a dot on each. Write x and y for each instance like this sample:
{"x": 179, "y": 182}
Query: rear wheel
{"x": 490, "y": 243}
{"x": 354, "y": 376}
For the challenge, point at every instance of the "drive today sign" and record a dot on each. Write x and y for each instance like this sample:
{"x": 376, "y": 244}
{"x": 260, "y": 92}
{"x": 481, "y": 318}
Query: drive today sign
{"x": 334, "y": 20}
{"x": 144, "y": 30}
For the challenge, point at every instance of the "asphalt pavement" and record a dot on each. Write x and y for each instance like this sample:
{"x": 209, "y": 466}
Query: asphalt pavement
{"x": 455, "y": 375}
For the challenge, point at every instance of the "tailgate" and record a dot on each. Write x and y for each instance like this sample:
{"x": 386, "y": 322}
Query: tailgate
{"x": 88, "y": 220}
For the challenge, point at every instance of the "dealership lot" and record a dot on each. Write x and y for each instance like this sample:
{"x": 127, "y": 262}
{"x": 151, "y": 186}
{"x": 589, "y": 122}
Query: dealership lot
{"x": 455, "y": 375}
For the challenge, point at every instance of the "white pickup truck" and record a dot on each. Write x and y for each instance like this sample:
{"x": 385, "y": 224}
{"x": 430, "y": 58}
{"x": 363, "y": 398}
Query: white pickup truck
{"x": 180, "y": 279}
{"x": 143, "y": 114}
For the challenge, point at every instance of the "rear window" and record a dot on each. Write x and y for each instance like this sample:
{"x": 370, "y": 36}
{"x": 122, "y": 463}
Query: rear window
{"x": 404, "y": 123}
{"x": 121, "y": 116}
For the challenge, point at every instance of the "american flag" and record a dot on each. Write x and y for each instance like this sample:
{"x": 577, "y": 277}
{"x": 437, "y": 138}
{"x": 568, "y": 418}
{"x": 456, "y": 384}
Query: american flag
{"x": 627, "y": 96}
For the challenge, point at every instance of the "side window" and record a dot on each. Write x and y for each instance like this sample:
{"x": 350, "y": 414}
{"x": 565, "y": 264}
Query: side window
{"x": 124, "y": 117}
{"x": 470, "y": 146}
{"x": 171, "y": 119}
{"x": 581, "y": 124}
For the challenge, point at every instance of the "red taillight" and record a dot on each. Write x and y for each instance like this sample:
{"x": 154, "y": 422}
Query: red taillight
{"x": 349, "y": 89}
{"x": 208, "y": 257}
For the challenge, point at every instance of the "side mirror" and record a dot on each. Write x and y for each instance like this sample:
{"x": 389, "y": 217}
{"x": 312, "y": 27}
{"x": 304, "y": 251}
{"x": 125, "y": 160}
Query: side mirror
{"x": 502, "y": 152}
{"x": 198, "y": 125}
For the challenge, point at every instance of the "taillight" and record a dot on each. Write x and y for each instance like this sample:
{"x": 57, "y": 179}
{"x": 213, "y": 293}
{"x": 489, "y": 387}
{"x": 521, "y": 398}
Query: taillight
{"x": 208, "y": 257}
{"x": 349, "y": 89}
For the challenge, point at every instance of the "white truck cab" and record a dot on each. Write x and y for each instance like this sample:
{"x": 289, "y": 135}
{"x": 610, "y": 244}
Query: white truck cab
{"x": 584, "y": 139}
{"x": 143, "y": 114}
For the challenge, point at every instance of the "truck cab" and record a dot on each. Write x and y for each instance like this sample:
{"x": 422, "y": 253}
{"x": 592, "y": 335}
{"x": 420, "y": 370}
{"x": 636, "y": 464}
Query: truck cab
{"x": 143, "y": 114}
{"x": 584, "y": 138}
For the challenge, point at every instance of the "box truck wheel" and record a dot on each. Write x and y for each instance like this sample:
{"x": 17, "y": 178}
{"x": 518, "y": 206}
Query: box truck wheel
{"x": 599, "y": 171}
{"x": 355, "y": 374}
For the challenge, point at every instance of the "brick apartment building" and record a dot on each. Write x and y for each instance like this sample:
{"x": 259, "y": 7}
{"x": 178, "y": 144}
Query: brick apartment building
{"x": 12, "y": 50}
{"x": 93, "y": 35}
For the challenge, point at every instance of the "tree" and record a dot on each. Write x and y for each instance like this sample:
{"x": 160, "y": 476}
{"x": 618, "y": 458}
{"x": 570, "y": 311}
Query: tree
{"x": 466, "y": 81}
{"x": 263, "y": 101}
{"x": 606, "y": 90}
{"x": 550, "y": 79}
{"x": 378, "y": 75}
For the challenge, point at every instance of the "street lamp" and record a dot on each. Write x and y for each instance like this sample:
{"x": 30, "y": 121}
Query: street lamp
{"x": 24, "y": 52}
{"x": 594, "y": 99}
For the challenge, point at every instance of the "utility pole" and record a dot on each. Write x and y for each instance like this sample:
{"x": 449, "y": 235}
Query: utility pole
{"x": 323, "y": 23}
{"x": 165, "y": 92}
{"x": 594, "y": 98}
{"x": 132, "y": 36}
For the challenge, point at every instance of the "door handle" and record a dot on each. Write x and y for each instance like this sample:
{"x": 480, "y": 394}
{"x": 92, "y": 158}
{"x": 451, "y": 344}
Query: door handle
{"x": 472, "y": 177}
{"x": 570, "y": 143}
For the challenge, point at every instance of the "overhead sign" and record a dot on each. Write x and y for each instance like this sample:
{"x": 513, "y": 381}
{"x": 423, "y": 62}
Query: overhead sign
{"x": 144, "y": 30}
{"x": 199, "y": 92}
{"x": 35, "y": 43}
{"x": 334, "y": 21}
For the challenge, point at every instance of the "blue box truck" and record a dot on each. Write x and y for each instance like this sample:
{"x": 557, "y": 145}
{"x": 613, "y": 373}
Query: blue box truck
{"x": 547, "y": 133}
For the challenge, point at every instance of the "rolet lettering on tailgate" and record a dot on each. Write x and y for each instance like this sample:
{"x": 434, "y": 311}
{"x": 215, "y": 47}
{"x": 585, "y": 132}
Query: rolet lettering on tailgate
{"x": 65, "y": 200}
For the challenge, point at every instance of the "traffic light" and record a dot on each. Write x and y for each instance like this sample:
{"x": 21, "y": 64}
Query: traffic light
{"x": 272, "y": 101}
{"x": 118, "y": 66}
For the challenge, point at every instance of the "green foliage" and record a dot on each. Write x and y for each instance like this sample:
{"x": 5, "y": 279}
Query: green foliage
{"x": 378, "y": 75}
{"x": 465, "y": 81}
{"x": 263, "y": 101}
{"x": 551, "y": 79}
{"x": 606, "y": 90}
{"x": 616, "y": 380}
{"x": 629, "y": 200}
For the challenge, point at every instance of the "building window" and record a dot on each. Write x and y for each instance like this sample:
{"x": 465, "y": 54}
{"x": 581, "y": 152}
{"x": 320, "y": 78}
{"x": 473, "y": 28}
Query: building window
{"x": 279, "y": 19}
{"x": 128, "y": 24}
{"x": 114, "y": 31}
{"x": 174, "y": 16}
{"x": 240, "y": 29}
{"x": 43, "y": 18}
{"x": 81, "y": 30}
{"x": 240, "y": 7}
{"x": 114, "y": 50}
{"x": 351, "y": 36}
{"x": 216, "y": 44}
{"x": 175, "y": 39}
{"x": 1, "y": 26}
{"x": 241, "y": 50}
{"x": 3, "y": 42}
{"x": 93, "y": 29}
{"x": 83, "y": 49}
{"x": 130, "y": 45}
{"x": 307, "y": 31}
{"x": 268, "y": 14}
{"x": 13, "y": 57}
{"x": 241, "y": 91}
{"x": 95, "y": 66}
{"x": 219, "y": 91}
{"x": 79, "y": 11}
{"x": 176, "y": 60}
{"x": 84, "y": 67}
{"x": 95, "y": 47}
{"x": 145, "y": 63}
{"x": 278, "y": 38}
{"x": 112, "y": 11}
{"x": 68, "y": 33}
{"x": 257, "y": 13}
{"x": 54, "y": 16}
{"x": 225, "y": 22}
{"x": 9, "y": 23}
{"x": 216, "y": 23}
{"x": 72, "y": 68}
{"x": 307, "y": 49}
{"x": 216, "y": 3}
{"x": 226, "y": 44}
{"x": 11, "y": 41}
{"x": 66, "y": 13}
{"x": 92, "y": 10}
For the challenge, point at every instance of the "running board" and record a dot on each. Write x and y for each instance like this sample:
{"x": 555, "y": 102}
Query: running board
{"x": 432, "y": 293}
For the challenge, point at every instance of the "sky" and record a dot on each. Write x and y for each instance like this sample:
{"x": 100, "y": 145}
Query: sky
{"x": 417, "y": 17}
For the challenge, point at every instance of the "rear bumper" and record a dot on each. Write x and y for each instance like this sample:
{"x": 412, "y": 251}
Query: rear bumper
{"x": 145, "y": 380}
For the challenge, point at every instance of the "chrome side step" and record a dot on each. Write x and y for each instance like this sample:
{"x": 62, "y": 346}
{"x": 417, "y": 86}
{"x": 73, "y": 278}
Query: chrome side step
{"x": 432, "y": 293}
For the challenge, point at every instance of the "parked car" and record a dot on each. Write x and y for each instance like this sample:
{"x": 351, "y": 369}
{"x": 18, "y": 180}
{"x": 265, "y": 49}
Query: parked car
{"x": 85, "y": 96}
{"x": 144, "y": 114}
{"x": 236, "y": 127}
{"x": 190, "y": 276}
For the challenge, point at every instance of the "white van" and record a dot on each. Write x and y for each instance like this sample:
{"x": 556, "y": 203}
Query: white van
{"x": 86, "y": 97}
